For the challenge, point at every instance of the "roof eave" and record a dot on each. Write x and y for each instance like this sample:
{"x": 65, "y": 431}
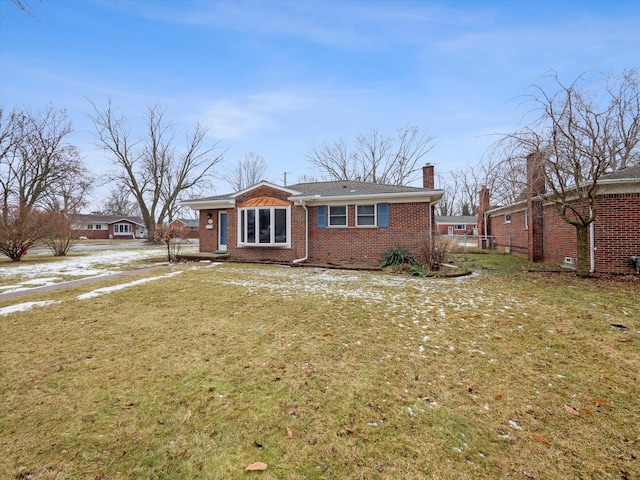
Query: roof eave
{"x": 395, "y": 197}
{"x": 209, "y": 204}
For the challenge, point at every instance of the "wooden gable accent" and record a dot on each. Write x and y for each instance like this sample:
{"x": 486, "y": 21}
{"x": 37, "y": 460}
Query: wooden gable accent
{"x": 264, "y": 202}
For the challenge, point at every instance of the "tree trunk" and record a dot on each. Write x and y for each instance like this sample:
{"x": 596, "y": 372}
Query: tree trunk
{"x": 582, "y": 232}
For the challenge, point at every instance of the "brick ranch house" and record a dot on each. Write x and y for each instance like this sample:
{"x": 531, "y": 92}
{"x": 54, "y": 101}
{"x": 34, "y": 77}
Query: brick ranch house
{"x": 328, "y": 222}
{"x": 532, "y": 227}
{"x": 192, "y": 226}
{"x": 102, "y": 227}
{"x": 456, "y": 225}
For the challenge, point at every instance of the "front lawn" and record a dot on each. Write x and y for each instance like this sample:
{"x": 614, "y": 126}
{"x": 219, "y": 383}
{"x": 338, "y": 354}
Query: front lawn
{"x": 326, "y": 374}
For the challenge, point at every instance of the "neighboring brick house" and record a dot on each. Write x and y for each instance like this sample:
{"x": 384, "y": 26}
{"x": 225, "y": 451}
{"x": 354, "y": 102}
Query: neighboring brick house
{"x": 192, "y": 225}
{"x": 102, "y": 227}
{"x": 532, "y": 228}
{"x": 341, "y": 222}
{"x": 457, "y": 225}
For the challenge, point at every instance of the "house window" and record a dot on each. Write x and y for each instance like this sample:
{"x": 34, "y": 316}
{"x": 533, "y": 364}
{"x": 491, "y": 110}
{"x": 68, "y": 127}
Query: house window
{"x": 459, "y": 227}
{"x": 122, "y": 228}
{"x": 365, "y": 215}
{"x": 98, "y": 226}
{"x": 507, "y": 218}
{"x": 264, "y": 227}
{"x": 338, "y": 216}
{"x": 526, "y": 220}
{"x": 90, "y": 227}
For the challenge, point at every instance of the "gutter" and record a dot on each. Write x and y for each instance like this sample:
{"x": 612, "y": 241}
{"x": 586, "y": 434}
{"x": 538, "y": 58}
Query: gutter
{"x": 306, "y": 235}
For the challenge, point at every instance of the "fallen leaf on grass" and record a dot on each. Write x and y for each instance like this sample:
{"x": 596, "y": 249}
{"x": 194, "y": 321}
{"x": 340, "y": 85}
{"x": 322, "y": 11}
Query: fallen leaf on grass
{"x": 497, "y": 396}
{"x": 187, "y": 415}
{"x": 289, "y": 432}
{"x": 627, "y": 456}
{"x": 572, "y": 410}
{"x": 601, "y": 401}
{"x": 256, "y": 467}
{"x": 587, "y": 411}
{"x": 541, "y": 439}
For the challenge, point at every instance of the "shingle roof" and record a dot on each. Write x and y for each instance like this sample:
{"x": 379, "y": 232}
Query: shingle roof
{"x": 466, "y": 219}
{"x": 95, "y": 218}
{"x": 342, "y": 188}
{"x": 625, "y": 173}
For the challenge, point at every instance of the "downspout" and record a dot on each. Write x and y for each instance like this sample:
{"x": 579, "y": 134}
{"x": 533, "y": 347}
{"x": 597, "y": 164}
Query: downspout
{"x": 592, "y": 247}
{"x": 430, "y": 228}
{"x": 306, "y": 234}
{"x": 484, "y": 214}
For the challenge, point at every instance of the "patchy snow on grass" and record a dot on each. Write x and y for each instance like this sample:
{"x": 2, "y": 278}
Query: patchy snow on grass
{"x": 115, "y": 288}
{"x": 21, "y": 307}
{"x": 103, "y": 262}
{"x": 436, "y": 308}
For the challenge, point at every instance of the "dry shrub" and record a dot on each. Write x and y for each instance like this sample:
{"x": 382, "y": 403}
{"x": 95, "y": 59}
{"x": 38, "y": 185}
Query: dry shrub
{"x": 432, "y": 251}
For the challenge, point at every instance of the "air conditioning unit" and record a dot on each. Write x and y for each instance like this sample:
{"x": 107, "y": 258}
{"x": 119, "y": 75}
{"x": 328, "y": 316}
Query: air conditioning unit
{"x": 569, "y": 262}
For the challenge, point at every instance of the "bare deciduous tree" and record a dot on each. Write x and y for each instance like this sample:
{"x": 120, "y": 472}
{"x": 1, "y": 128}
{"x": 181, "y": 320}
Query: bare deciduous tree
{"x": 246, "y": 172}
{"x": 580, "y": 133}
{"x": 150, "y": 166}
{"x": 375, "y": 157}
{"x": 21, "y": 228}
{"x": 39, "y": 170}
{"x": 120, "y": 202}
{"x": 168, "y": 234}
{"x": 36, "y": 161}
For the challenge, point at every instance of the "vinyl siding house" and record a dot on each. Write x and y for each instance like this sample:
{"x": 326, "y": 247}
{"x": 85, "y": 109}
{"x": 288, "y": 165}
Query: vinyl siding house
{"x": 328, "y": 222}
{"x": 532, "y": 228}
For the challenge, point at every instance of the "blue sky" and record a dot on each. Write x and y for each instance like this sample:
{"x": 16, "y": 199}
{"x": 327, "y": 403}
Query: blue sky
{"x": 275, "y": 78}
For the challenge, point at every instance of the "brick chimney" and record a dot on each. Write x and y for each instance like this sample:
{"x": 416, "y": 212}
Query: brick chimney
{"x": 483, "y": 206}
{"x": 427, "y": 177}
{"x": 536, "y": 185}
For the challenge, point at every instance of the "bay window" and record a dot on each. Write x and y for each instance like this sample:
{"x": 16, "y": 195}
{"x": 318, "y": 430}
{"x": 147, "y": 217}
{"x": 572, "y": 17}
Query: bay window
{"x": 264, "y": 227}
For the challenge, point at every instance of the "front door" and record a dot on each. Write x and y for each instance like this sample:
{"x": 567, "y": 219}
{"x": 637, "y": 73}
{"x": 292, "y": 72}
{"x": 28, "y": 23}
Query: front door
{"x": 222, "y": 231}
{"x": 450, "y": 230}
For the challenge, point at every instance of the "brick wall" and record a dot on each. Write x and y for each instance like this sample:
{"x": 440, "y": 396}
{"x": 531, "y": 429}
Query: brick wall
{"x": 443, "y": 228}
{"x": 408, "y": 226}
{"x": 616, "y": 232}
{"x": 512, "y": 234}
{"x": 559, "y": 237}
{"x": 92, "y": 234}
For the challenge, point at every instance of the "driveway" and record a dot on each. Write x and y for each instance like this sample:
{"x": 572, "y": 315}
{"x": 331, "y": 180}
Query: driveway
{"x": 88, "y": 263}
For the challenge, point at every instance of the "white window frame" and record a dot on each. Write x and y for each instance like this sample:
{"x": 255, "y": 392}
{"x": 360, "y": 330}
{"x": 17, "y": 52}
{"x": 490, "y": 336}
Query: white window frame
{"x": 330, "y": 216}
{"x": 526, "y": 220}
{"x": 460, "y": 226}
{"x": 243, "y": 227}
{"x": 375, "y": 215}
{"x": 122, "y": 229}
{"x": 507, "y": 218}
